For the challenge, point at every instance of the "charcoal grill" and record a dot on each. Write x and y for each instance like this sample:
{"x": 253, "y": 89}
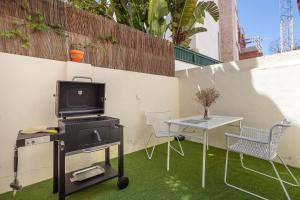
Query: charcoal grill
{"x": 82, "y": 128}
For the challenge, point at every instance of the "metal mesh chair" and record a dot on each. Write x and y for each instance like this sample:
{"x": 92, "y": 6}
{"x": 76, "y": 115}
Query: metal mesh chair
{"x": 159, "y": 129}
{"x": 262, "y": 144}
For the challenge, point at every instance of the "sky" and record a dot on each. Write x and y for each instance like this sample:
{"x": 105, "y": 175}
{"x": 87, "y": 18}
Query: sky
{"x": 262, "y": 18}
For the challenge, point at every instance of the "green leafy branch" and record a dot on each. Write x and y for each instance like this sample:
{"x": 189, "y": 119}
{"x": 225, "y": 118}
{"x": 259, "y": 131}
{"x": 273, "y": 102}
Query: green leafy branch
{"x": 81, "y": 46}
{"x": 34, "y": 22}
{"x": 58, "y": 29}
{"x": 16, "y": 32}
{"x": 108, "y": 38}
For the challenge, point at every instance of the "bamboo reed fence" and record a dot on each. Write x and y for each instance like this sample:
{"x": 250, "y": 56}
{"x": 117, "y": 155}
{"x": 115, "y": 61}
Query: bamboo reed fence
{"x": 133, "y": 51}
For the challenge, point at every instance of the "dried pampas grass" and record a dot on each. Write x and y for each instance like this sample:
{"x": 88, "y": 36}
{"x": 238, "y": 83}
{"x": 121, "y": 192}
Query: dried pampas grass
{"x": 207, "y": 96}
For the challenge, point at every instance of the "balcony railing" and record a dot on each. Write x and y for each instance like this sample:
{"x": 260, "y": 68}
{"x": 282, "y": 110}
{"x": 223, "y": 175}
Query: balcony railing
{"x": 192, "y": 57}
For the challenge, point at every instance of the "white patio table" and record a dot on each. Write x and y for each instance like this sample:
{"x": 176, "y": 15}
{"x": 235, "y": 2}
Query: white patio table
{"x": 197, "y": 122}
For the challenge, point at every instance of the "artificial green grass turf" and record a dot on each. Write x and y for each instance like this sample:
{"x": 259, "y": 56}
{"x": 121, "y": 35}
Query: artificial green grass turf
{"x": 149, "y": 179}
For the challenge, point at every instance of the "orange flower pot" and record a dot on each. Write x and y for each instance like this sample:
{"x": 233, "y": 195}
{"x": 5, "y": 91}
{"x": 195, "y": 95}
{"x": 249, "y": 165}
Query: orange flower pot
{"x": 76, "y": 55}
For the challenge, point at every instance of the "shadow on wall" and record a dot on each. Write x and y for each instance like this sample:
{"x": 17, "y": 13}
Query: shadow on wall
{"x": 262, "y": 94}
{"x": 241, "y": 98}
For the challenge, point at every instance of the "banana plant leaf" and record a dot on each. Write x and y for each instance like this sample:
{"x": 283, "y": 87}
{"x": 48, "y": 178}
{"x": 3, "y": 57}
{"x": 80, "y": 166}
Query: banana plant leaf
{"x": 207, "y": 6}
{"x": 158, "y": 9}
{"x": 196, "y": 30}
{"x": 187, "y": 12}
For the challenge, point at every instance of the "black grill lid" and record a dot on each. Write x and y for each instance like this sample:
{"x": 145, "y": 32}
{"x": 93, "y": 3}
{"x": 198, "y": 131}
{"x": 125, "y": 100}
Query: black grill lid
{"x": 74, "y": 98}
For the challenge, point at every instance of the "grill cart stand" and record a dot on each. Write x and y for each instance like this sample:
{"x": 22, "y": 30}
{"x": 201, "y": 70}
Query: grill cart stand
{"x": 82, "y": 128}
{"x": 61, "y": 180}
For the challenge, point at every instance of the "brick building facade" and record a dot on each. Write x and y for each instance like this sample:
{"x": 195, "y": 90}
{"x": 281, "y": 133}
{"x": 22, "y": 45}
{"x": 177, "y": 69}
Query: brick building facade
{"x": 228, "y": 39}
{"x": 232, "y": 42}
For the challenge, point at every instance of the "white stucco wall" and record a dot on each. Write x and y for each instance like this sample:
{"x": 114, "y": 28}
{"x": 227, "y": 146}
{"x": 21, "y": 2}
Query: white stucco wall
{"x": 180, "y": 65}
{"x": 262, "y": 90}
{"x": 27, "y": 86}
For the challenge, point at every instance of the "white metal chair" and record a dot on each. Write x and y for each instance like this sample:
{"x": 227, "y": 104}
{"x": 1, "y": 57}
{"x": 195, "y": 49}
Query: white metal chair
{"x": 159, "y": 129}
{"x": 262, "y": 144}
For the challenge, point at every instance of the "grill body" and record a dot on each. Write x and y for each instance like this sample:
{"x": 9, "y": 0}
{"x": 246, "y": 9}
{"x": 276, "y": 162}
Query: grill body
{"x": 79, "y": 106}
{"x": 85, "y": 133}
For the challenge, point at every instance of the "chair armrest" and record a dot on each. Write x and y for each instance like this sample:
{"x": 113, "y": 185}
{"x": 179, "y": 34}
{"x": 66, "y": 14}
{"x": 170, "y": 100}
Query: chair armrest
{"x": 251, "y": 139}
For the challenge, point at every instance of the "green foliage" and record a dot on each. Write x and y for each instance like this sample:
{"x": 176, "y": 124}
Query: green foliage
{"x": 78, "y": 46}
{"x": 100, "y": 7}
{"x": 16, "y": 33}
{"x": 133, "y": 13}
{"x": 149, "y": 15}
{"x": 207, "y": 6}
{"x": 185, "y": 14}
{"x": 36, "y": 22}
{"x": 98, "y": 44}
{"x": 145, "y": 15}
{"x": 108, "y": 38}
{"x": 158, "y": 10}
{"x": 130, "y": 12}
{"x": 84, "y": 46}
{"x": 58, "y": 29}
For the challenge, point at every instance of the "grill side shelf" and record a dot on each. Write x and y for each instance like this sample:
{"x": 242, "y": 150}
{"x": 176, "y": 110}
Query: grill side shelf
{"x": 22, "y": 138}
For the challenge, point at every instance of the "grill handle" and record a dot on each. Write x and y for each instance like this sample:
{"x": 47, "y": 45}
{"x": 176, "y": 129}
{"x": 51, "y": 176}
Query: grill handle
{"x": 95, "y": 149}
{"x": 97, "y": 135}
{"x": 82, "y": 77}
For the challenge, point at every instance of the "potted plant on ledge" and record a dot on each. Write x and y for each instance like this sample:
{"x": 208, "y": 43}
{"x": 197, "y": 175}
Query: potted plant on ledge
{"x": 76, "y": 52}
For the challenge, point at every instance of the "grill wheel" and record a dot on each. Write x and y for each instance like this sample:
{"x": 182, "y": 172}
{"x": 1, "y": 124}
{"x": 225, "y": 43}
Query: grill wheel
{"x": 123, "y": 182}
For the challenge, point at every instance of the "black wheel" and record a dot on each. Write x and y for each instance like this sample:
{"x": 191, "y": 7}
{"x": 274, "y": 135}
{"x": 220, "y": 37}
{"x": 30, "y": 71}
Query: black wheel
{"x": 123, "y": 182}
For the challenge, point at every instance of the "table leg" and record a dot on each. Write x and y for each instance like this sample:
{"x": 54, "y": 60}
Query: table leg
{"x": 168, "y": 156}
{"x": 204, "y": 157}
{"x": 207, "y": 147}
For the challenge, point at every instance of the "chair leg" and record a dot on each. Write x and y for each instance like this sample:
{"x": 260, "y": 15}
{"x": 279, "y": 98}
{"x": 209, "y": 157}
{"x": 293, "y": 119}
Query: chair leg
{"x": 226, "y": 166}
{"x": 149, "y": 155}
{"x": 179, "y": 144}
{"x": 288, "y": 169}
{"x": 261, "y": 173}
{"x": 281, "y": 182}
{"x": 235, "y": 187}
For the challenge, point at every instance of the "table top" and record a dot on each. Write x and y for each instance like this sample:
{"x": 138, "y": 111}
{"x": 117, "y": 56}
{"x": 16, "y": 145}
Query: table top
{"x": 198, "y": 121}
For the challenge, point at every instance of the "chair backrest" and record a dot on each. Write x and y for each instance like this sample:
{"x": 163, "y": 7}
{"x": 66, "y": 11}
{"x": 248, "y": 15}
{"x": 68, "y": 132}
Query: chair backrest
{"x": 276, "y": 134}
{"x": 157, "y": 120}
